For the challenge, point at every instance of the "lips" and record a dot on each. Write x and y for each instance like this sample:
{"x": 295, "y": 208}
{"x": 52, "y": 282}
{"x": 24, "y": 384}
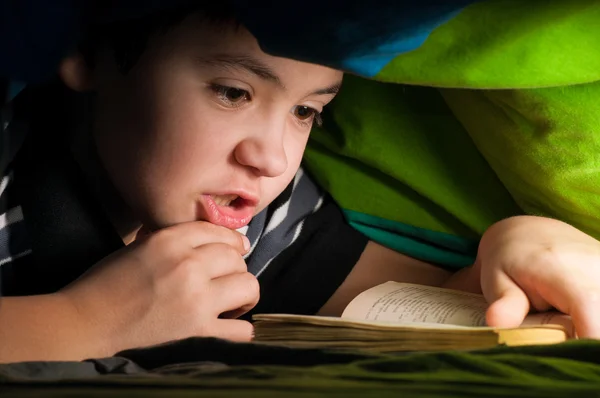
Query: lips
{"x": 225, "y": 200}
{"x": 230, "y": 210}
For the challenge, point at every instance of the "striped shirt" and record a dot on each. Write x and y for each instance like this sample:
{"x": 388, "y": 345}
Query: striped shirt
{"x": 13, "y": 236}
{"x": 52, "y": 229}
{"x": 280, "y": 225}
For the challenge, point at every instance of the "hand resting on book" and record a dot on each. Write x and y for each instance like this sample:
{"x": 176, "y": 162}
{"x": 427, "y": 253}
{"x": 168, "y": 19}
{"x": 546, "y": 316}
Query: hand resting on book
{"x": 539, "y": 263}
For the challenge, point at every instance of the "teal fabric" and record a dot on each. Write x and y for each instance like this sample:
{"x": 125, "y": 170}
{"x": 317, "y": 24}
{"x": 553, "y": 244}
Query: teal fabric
{"x": 436, "y": 247}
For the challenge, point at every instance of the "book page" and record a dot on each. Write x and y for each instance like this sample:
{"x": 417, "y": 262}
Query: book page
{"x": 408, "y": 303}
{"x": 551, "y": 318}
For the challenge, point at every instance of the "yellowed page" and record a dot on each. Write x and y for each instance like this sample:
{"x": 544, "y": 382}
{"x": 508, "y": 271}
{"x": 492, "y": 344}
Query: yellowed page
{"x": 409, "y": 303}
{"x": 551, "y": 318}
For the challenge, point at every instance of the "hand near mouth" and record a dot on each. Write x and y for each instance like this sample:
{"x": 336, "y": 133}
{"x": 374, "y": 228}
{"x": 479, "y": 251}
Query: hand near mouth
{"x": 170, "y": 284}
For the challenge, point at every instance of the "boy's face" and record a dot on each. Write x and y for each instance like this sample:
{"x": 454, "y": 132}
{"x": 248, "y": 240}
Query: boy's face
{"x": 205, "y": 126}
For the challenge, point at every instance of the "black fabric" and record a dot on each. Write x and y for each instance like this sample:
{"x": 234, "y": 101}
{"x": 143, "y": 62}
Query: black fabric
{"x": 3, "y": 91}
{"x": 234, "y": 354}
{"x": 305, "y": 275}
{"x": 187, "y": 356}
{"x": 68, "y": 370}
{"x": 68, "y": 229}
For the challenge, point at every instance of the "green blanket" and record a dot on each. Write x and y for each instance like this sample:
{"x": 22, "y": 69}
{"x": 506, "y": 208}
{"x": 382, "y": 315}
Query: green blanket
{"x": 494, "y": 115}
{"x": 563, "y": 370}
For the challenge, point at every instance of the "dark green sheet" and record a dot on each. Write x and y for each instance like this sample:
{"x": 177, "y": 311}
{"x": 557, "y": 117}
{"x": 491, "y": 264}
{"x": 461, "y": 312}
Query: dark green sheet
{"x": 206, "y": 367}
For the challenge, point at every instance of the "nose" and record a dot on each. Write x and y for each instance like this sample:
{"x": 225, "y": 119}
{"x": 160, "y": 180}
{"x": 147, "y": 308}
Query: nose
{"x": 263, "y": 151}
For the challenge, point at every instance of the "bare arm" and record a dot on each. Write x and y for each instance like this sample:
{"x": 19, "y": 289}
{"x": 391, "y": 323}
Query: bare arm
{"x": 171, "y": 285}
{"x": 378, "y": 264}
{"x": 45, "y": 328}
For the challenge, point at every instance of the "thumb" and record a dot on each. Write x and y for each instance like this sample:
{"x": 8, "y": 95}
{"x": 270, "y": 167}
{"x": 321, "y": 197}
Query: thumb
{"x": 509, "y": 305}
{"x": 509, "y": 310}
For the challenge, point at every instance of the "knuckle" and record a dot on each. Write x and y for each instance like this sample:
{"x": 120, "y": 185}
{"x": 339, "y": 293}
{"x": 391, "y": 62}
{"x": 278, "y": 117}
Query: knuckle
{"x": 190, "y": 283}
{"x": 188, "y": 267}
{"x": 546, "y": 257}
{"x": 229, "y": 253}
{"x": 230, "y": 237}
{"x": 239, "y": 265}
{"x": 251, "y": 284}
{"x": 165, "y": 239}
{"x": 222, "y": 235}
{"x": 229, "y": 250}
{"x": 246, "y": 330}
{"x": 241, "y": 331}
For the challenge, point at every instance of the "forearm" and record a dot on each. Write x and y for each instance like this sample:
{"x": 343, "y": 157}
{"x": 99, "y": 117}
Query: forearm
{"x": 45, "y": 327}
{"x": 379, "y": 264}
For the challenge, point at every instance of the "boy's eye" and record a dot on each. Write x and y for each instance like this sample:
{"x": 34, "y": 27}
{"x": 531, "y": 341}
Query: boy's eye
{"x": 307, "y": 114}
{"x": 232, "y": 96}
{"x": 304, "y": 112}
{"x": 235, "y": 94}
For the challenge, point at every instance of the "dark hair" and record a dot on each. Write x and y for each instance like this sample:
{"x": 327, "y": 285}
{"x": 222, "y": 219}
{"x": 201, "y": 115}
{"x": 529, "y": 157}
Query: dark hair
{"x": 128, "y": 38}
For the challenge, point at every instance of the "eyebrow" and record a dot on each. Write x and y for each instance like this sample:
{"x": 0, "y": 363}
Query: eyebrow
{"x": 245, "y": 63}
{"x": 256, "y": 67}
{"x": 331, "y": 90}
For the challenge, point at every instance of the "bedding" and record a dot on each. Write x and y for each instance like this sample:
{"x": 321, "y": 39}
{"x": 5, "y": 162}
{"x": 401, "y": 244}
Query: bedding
{"x": 208, "y": 367}
{"x": 494, "y": 115}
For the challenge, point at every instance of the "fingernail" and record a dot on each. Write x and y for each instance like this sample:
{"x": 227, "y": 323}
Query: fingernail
{"x": 246, "y": 242}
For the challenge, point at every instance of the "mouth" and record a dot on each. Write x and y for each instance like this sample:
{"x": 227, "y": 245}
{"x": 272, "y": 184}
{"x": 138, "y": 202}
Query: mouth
{"x": 230, "y": 210}
{"x": 230, "y": 200}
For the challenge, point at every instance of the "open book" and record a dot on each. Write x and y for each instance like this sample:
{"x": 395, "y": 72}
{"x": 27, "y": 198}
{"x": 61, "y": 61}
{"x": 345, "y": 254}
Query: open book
{"x": 395, "y": 317}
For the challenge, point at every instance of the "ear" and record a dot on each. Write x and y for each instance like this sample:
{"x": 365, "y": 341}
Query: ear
{"x": 75, "y": 73}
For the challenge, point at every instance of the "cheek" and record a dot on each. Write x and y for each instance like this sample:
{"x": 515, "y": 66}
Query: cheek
{"x": 159, "y": 142}
{"x": 273, "y": 187}
{"x": 295, "y": 151}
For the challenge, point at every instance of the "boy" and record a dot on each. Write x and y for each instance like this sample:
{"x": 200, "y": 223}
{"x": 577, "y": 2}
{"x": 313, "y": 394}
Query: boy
{"x": 191, "y": 137}
{"x": 183, "y": 143}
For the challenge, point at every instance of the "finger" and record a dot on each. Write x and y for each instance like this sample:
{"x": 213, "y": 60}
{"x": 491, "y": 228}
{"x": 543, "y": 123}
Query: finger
{"x": 574, "y": 293}
{"x": 199, "y": 233}
{"x": 233, "y": 329}
{"x": 235, "y": 292}
{"x": 508, "y": 311}
{"x": 585, "y": 313}
{"x": 509, "y": 305}
{"x": 217, "y": 260}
